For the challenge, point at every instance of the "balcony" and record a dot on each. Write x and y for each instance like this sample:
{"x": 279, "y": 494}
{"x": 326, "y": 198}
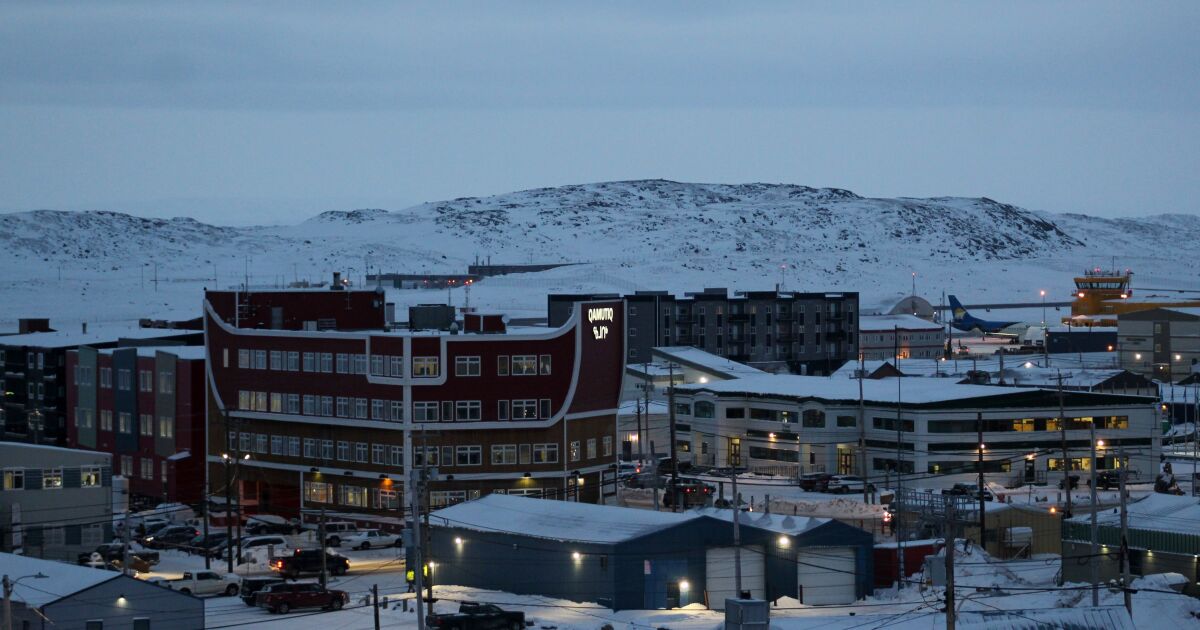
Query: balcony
{"x": 739, "y": 317}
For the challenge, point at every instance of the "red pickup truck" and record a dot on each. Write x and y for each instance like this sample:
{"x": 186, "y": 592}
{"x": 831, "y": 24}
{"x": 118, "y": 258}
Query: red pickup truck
{"x": 281, "y": 598}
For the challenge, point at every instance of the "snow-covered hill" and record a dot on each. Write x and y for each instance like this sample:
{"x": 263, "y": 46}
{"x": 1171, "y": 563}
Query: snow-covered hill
{"x": 650, "y": 234}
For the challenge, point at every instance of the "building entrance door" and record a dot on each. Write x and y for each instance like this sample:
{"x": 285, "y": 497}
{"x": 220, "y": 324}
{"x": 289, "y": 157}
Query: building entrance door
{"x": 1030, "y": 473}
{"x": 735, "y": 451}
{"x": 845, "y": 461}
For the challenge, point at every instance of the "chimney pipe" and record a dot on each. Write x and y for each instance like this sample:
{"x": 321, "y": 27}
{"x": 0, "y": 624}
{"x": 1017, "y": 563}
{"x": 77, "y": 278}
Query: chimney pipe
{"x": 85, "y": 328}
{"x": 337, "y": 281}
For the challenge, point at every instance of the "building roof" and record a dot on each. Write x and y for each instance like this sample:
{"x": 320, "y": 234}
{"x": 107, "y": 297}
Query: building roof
{"x": 888, "y": 323}
{"x": 62, "y": 579}
{"x": 98, "y": 334}
{"x": 186, "y": 353}
{"x": 1081, "y": 618}
{"x": 911, "y": 391}
{"x": 556, "y": 520}
{"x": 1186, "y": 310}
{"x": 1157, "y": 512}
{"x": 706, "y": 361}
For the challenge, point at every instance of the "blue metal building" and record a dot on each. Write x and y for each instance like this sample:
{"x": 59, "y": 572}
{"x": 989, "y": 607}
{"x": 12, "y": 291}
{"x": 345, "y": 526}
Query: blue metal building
{"x": 636, "y": 559}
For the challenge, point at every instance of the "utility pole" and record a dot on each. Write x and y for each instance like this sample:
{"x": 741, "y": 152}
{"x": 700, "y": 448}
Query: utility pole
{"x": 228, "y": 516}
{"x": 1066, "y": 463}
{"x": 949, "y": 551}
{"x": 654, "y": 474}
{"x": 862, "y": 428}
{"x": 324, "y": 550}
{"x": 416, "y": 480}
{"x": 8, "y": 589}
{"x": 207, "y": 506}
{"x": 375, "y": 603}
{"x": 646, "y": 387}
{"x": 1124, "y": 538}
{"x": 671, "y": 418}
{"x": 982, "y": 505}
{"x": 899, "y": 484}
{"x": 1095, "y": 563}
{"x": 127, "y": 536}
{"x": 737, "y": 537}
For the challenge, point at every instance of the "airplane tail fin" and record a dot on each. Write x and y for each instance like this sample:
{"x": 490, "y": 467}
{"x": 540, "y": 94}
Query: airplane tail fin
{"x": 956, "y": 308}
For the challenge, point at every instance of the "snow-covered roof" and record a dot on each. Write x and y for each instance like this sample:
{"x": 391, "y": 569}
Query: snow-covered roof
{"x": 95, "y": 334}
{"x": 699, "y": 359}
{"x": 1186, "y": 310}
{"x": 912, "y": 390}
{"x": 1110, "y": 618}
{"x": 779, "y": 523}
{"x": 62, "y": 579}
{"x": 186, "y": 353}
{"x": 888, "y": 323}
{"x": 556, "y": 520}
{"x": 1158, "y": 512}
{"x": 1081, "y": 329}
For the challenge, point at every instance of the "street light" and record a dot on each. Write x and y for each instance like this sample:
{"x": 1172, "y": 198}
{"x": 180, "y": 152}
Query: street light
{"x": 1043, "y": 307}
{"x": 9, "y": 585}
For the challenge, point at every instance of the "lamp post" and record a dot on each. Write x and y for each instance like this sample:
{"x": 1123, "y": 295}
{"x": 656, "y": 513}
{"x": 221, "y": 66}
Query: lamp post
{"x": 1043, "y": 307}
{"x": 9, "y": 585}
{"x": 36, "y": 423}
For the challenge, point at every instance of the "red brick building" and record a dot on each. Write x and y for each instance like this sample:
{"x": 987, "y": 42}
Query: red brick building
{"x": 145, "y": 406}
{"x": 334, "y": 409}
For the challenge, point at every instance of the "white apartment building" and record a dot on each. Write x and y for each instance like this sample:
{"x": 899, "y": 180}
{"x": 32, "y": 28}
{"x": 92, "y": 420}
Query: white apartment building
{"x": 788, "y": 424}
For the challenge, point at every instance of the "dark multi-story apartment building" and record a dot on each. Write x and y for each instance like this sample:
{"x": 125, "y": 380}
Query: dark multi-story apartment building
{"x": 145, "y": 407}
{"x": 33, "y": 380}
{"x": 806, "y": 333}
{"x": 338, "y": 415}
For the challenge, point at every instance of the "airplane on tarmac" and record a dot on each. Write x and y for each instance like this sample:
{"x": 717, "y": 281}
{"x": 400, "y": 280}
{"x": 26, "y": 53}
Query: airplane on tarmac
{"x": 967, "y": 322}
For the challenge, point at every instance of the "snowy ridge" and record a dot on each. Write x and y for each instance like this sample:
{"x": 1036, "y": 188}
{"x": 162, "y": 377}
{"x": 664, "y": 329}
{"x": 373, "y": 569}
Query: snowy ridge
{"x": 631, "y": 234}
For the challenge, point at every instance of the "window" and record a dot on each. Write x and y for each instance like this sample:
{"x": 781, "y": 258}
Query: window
{"x": 502, "y": 410}
{"x": 544, "y": 364}
{"x": 524, "y": 364}
{"x": 147, "y": 468}
{"x": 277, "y": 360}
{"x": 425, "y": 411}
{"x": 14, "y": 479}
{"x": 293, "y": 361}
{"x": 166, "y": 382}
{"x": 468, "y": 456}
{"x": 52, "y": 478}
{"x": 343, "y": 451}
{"x": 360, "y": 452}
{"x": 54, "y": 536}
{"x": 397, "y": 456}
{"x": 310, "y": 447}
{"x": 316, "y": 491}
{"x": 127, "y": 466}
{"x": 260, "y": 359}
{"x": 106, "y": 420}
{"x": 813, "y": 419}
{"x": 310, "y": 405}
{"x": 502, "y": 365}
{"x": 608, "y": 446}
{"x": 166, "y": 427}
{"x": 106, "y": 377}
{"x": 245, "y": 442}
{"x": 89, "y": 477}
{"x": 294, "y": 447}
{"x": 704, "y": 409}
{"x": 574, "y": 451}
{"x": 343, "y": 407}
{"x": 92, "y": 536}
{"x": 124, "y": 380}
{"x": 353, "y": 496}
{"x": 377, "y": 410}
{"x": 544, "y": 408}
{"x": 244, "y": 361}
{"x": 360, "y": 363}
{"x": 310, "y": 362}
{"x": 467, "y": 411}
{"x": 260, "y": 401}
{"x": 276, "y": 403}
{"x": 293, "y": 403}
{"x": 545, "y": 453}
{"x": 387, "y": 499}
{"x": 378, "y": 454}
{"x": 260, "y": 443}
{"x": 397, "y": 407}
{"x": 396, "y": 367}
{"x": 683, "y": 409}
{"x": 145, "y": 381}
{"x": 466, "y": 366}
{"x": 124, "y": 422}
{"x": 447, "y": 411}
{"x": 327, "y": 405}
{"x": 277, "y": 445}
{"x": 524, "y": 454}
{"x": 425, "y": 367}
{"x": 847, "y": 421}
{"x": 591, "y": 448}
{"x": 146, "y": 425}
{"x": 524, "y": 409}
{"x": 327, "y": 362}
{"x": 503, "y": 454}
{"x": 343, "y": 363}
{"x": 442, "y": 498}
{"x": 360, "y": 408}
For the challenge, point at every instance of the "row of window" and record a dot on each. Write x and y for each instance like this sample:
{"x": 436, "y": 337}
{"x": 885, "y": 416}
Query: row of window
{"x": 386, "y": 499}
{"x": 84, "y": 375}
{"x": 312, "y": 448}
{"x": 146, "y": 468}
{"x": 387, "y": 365}
{"x": 392, "y": 410}
{"x": 51, "y": 478}
{"x": 85, "y": 419}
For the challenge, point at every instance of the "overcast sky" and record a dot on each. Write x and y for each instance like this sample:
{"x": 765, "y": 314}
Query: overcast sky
{"x": 271, "y": 112}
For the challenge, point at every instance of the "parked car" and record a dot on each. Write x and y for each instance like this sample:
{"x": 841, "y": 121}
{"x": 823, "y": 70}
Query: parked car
{"x": 109, "y": 552}
{"x": 969, "y": 490}
{"x": 149, "y": 526}
{"x": 282, "y": 598}
{"x": 171, "y": 536}
{"x": 1106, "y": 479}
{"x": 204, "y": 583}
{"x": 265, "y": 524}
{"x": 251, "y": 586}
{"x": 845, "y": 484}
{"x": 811, "y": 481}
{"x": 1074, "y": 482}
{"x": 368, "y": 538}
{"x": 477, "y": 617}
{"x": 208, "y": 544}
{"x": 308, "y": 561}
{"x": 336, "y": 531}
{"x": 252, "y": 542}
{"x": 692, "y": 493}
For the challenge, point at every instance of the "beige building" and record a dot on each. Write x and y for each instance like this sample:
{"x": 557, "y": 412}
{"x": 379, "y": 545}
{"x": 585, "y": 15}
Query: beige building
{"x": 902, "y": 336}
{"x": 1160, "y": 343}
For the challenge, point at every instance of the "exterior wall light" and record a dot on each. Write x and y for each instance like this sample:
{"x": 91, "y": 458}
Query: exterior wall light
{"x": 576, "y": 556}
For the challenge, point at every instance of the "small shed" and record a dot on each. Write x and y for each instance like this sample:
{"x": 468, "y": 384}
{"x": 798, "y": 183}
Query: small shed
{"x": 627, "y": 558}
